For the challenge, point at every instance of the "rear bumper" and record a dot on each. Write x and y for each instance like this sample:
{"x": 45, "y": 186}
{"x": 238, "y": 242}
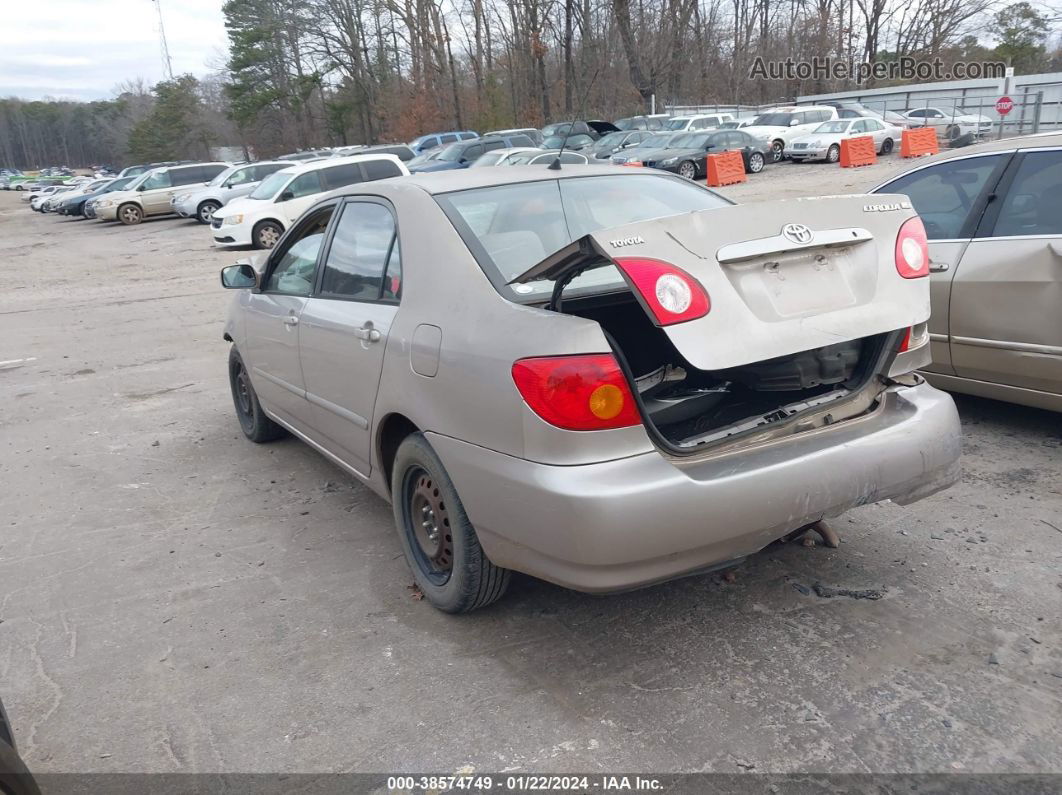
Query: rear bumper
{"x": 635, "y": 521}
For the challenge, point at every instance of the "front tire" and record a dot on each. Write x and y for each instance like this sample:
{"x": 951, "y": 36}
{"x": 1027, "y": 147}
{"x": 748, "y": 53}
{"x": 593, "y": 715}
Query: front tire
{"x": 833, "y": 154}
{"x": 442, "y": 550}
{"x": 777, "y": 150}
{"x": 886, "y": 146}
{"x": 205, "y": 213}
{"x": 756, "y": 163}
{"x": 266, "y": 234}
{"x": 687, "y": 170}
{"x": 254, "y": 423}
{"x": 130, "y": 214}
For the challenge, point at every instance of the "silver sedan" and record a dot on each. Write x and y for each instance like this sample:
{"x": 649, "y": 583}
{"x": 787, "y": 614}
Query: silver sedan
{"x": 599, "y": 377}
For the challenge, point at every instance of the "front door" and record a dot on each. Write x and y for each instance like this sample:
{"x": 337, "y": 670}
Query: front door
{"x": 345, "y": 325}
{"x": 272, "y": 320}
{"x": 1006, "y": 301}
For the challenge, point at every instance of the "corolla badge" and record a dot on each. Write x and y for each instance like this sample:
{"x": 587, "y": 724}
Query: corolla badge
{"x": 797, "y": 233}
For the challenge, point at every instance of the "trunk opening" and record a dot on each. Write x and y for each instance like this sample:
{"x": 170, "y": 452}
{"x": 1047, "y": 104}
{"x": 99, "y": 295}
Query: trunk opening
{"x": 689, "y": 409}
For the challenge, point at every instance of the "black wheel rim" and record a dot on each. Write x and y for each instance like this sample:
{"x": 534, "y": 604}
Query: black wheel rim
{"x": 427, "y": 525}
{"x": 242, "y": 395}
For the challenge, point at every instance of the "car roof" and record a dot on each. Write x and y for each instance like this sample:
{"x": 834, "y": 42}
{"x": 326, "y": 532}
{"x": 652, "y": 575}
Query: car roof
{"x": 468, "y": 178}
{"x": 329, "y": 162}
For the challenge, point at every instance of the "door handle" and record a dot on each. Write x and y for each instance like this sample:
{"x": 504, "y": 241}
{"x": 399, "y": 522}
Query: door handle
{"x": 367, "y": 333}
{"x": 938, "y": 267}
{"x": 291, "y": 320}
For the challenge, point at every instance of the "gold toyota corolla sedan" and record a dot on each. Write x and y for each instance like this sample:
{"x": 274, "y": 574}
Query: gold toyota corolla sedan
{"x": 601, "y": 378}
{"x": 993, "y": 216}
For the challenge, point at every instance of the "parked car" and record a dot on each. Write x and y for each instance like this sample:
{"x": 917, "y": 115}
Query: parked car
{"x": 260, "y": 218}
{"x": 991, "y": 213}
{"x": 824, "y": 142}
{"x": 143, "y": 168}
{"x": 530, "y": 132}
{"x": 75, "y": 205}
{"x": 575, "y": 142}
{"x": 37, "y": 198}
{"x": 150, "y": 194}
{"x": 595, "y": 129}
{"x": 699, "y": 122}
{"x": 464, "y": 153}
{"x": 951, "y": 123}
{"x": 401, "y": 151}
{"x": 15, "y": 778}
{"x": 739, "y": 123}
{"x": 424, "y": 157}
{"x": 682, "y": 392}
{"x": 202, "y": 202}
{"x": 51, "y": 204}
{"x": 688, "y": 153}
{"x": 610, "y": 144}
{"x": 647, "y": 148}
{"x": 495, "y": 157}
{"x": 779, "y": 127}
{"x": 652, "y": 122}
{"x": 545, "y": 157}
{"x": 305, "y": 155}
{"x": 432, "y": 140}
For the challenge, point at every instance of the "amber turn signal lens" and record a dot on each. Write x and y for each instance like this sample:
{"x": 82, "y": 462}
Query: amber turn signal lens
{"x": 606, "y": 402}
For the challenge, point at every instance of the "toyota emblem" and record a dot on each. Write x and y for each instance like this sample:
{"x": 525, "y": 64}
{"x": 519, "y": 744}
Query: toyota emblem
{"x": 797, "y": 233}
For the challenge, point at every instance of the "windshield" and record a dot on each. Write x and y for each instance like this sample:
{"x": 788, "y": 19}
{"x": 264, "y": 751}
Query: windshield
{"x": 452, "y": 153}
{"x": 833, "y": 127}
{"x": 610, "y": 140}
{"x": 773, "y": 120}
{"x": 689, "y": 141}
{"x": 119, "y": 184}
{"x": 271, "y": 185}
{"x": 140, "y": 180}
{"x": 509, "y": 228}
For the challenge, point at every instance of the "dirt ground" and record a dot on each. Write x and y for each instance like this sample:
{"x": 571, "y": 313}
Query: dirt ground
{"x": 175, "y": 598}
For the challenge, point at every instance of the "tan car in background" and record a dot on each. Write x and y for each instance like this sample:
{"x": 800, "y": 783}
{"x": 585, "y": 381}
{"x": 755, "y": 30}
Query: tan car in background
{"x": 993, "y": 215}
{"x": 151, "y": 193}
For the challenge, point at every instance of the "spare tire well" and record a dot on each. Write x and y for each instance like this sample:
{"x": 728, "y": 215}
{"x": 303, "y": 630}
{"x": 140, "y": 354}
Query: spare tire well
{"x": 393, "y": 429}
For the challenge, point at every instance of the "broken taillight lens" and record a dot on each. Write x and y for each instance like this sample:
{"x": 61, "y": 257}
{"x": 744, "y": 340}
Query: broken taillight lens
{"x": 671, "y": 294}
{"x": 912, "y": 250}
{"x": 578, "y": 393}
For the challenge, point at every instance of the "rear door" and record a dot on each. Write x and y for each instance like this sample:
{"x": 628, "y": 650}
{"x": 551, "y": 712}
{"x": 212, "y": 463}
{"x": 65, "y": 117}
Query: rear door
{"x": 345, "y": 324}
{"x": 272, "y": 318}
{"x": 156, "y": 192}
{"x": 1006, "y": 301}
{"x": 951, "y": 197}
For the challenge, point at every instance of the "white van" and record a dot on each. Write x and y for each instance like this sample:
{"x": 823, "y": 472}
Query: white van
{"x": 260, "y": 219}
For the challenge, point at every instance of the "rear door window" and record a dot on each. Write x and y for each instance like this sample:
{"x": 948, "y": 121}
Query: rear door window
{"x": 380, "y": 169}
{"x": 341, "y": 176}
{"x": 448, "y": 139}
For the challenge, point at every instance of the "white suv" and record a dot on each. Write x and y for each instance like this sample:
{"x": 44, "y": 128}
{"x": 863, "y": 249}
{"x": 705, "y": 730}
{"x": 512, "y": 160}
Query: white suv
{"x": 777, "y": 128}
{"x": 260, "y": 218}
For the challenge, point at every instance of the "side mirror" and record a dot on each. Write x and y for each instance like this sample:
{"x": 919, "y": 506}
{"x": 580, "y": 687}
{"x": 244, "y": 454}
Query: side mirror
{"x": 239, "y": 276}
{"x": 286, "y": 196}
{"x": 140, "y": 187}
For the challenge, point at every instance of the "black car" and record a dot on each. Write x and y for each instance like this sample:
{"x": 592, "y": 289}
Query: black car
{"x": 75, "y": 205}
{"x": 595, "y": 129}
{"x": 608, "y": 145}
{"x": 687, "y": 155}
{"x": 15, "y": 779}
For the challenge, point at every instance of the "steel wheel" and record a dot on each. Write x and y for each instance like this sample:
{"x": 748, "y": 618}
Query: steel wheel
{"x": 428, "y": 524}
{"x": 687, "y": 170}
{"x": 267, "y": 235}
{"x": 755, "y": 162}
{"x": 130, "y": 214}
{"x": 241, "y": 391}
{"x": 777, "y": 148}
{"x": 833, "y": 154}
{"x": 886, "y": 146}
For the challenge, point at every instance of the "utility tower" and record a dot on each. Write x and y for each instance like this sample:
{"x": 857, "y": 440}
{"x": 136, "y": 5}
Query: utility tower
{"x": 167, "y": 64}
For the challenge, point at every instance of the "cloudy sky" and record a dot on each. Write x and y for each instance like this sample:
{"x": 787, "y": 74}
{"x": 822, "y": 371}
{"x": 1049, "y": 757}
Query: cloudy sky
{"x": 80, "y": 49}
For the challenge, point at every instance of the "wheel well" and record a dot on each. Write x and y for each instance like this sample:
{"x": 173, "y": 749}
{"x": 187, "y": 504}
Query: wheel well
{"x": 269, "y": 221}
{"x": 393, "y": 430}
{"x": 207, "y": 201}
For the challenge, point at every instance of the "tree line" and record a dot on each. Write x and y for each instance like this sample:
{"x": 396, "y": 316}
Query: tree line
{"x": 306, "y": 73}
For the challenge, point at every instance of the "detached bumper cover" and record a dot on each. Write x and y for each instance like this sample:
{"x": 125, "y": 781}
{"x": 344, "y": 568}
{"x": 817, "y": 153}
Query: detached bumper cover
{"x": 634, "y": 521}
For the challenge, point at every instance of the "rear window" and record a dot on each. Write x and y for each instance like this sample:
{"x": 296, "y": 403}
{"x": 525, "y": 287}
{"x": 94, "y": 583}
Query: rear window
{"x": 380, "y": 169}
{"x": 509, "y": 228}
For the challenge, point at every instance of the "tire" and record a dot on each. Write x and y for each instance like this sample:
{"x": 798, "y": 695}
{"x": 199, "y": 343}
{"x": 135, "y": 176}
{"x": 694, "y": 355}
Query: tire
{"x": 886, "y": 146}
{"x": 687, "y": 170}
{"x": 205, "y": 212}
{"x": 952, "y": 132}
{"x": 129, "y": 214}
{"x": 756, "y": 163}
{"x": 777, "y": 150}
{"x": 266, "y": 234}
{"x": 450, "y": 568}
{"x": 254, "y": 423}
{"x": 833, "y": 154}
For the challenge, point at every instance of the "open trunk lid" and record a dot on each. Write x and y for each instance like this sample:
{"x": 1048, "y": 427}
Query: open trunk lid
{"x": 782, "y": 276}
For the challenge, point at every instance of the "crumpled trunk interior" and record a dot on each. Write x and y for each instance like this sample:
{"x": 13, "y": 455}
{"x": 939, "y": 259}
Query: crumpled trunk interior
{"x": 690, "y": 408}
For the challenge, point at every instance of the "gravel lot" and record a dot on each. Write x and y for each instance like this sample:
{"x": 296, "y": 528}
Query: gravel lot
{"x": 175, "y": 598}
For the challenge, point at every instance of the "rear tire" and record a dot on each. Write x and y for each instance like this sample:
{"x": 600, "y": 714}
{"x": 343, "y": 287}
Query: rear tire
{"x": 130, "y": 214}
{"x": 254, "y": 423}
{"x": 687, "y": 170}
{"x": 440, "y": 544}
{"x": 205, "y": 212}
{"x": 756, "y": 163}
{"x": 952, "y": 132}
{"x": 266, "y": 234}
{"x": 886, "y": 146}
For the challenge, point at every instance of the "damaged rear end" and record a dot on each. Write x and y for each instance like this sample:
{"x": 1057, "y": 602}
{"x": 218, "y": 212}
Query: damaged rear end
{"x": 729, "y": 332}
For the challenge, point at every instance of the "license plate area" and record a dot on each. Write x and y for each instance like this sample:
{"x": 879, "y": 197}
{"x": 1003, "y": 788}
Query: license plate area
{"x": 796, "y": 284}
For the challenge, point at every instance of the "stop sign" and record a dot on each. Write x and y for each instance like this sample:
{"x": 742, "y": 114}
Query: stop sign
{"x": 1004, "y": 105}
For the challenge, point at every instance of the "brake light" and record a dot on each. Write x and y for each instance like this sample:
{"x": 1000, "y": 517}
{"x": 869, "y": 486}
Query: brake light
{"x": 912, "y": 250}
{"x": 905, "y": 343}
{"x": 671, "y": 294}
{"x": 578, "y": 393}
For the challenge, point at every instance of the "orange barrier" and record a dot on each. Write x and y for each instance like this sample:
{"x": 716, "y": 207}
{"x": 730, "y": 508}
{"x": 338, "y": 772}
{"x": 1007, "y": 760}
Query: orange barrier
{"x": 727, "y": 168}
{"x": 918, "y": 142}
{"x": 858, "y": 152}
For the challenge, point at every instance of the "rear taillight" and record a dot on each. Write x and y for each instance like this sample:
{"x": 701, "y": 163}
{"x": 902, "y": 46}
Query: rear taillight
{"x": 905, "y": 342}
{"x": 578, "y": 393}
{"x": 912, "y": 250}
{"x": 672, "y": 295}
